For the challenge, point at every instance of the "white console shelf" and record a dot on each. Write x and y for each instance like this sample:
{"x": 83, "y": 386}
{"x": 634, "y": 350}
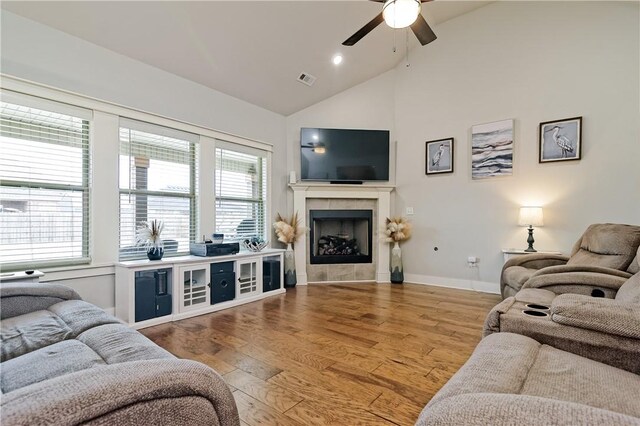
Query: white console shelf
{"x": 185, "y": 288}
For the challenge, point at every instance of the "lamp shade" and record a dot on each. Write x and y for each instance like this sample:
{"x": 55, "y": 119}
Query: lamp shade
{"x": 530, "y": 216}
{"x": 401, "y": 13}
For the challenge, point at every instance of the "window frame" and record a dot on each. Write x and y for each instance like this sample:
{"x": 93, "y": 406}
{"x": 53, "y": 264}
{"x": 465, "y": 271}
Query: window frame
{"x": 192, "y": 196}
{"x": 86, "y": 117}
{"x": 264, "y": 176}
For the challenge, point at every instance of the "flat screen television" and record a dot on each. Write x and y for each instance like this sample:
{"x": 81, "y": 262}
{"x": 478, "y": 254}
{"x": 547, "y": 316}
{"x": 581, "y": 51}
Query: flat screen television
{"x": 344, "y": 155}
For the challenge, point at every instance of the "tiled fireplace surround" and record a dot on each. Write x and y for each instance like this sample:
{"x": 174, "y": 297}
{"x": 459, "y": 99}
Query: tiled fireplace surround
{"x": 343, "y": 197}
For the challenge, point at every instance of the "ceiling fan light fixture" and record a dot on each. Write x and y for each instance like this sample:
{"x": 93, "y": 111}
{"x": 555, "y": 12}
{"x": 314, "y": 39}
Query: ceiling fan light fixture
{"x": 401, "y": 13}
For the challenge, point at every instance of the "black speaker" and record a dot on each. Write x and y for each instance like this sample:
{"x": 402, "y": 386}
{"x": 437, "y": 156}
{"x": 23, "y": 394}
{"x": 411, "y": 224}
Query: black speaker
{"x": 270, "y": 275}
{"x": 223, "y": 284}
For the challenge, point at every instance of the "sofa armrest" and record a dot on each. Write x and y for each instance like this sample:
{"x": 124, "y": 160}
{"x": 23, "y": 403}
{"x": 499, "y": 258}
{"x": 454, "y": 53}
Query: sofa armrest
{"x": 492, "y": 320}
{"x": 561, "y": 269}
{"x": 536, "y": 261}
{"x": 19, "y": 298}
{"x": 604, "y": 315}
{"x": 481, "y": 409}
{"x": 578, "y": 280}
{"x": 101, "y": 392}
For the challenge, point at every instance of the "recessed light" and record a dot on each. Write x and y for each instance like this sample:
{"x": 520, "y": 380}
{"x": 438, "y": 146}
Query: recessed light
{"x": 337, "y": 59}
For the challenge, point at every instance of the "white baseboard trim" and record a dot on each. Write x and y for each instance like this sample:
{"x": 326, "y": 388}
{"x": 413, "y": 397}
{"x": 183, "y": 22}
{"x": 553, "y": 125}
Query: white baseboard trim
{"x": 462, "y": 284}
{"x": 301, "y": 278}
{"x": 383, "y": 277}
{"x": 344, "y": 282}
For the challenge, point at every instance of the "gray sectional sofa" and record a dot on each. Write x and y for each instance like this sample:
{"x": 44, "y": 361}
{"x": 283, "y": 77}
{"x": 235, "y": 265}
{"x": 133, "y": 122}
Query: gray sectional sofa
{"x": 552, "y": 354}
{"x": 66, "y": 362}
{"x": 513, "y": 380}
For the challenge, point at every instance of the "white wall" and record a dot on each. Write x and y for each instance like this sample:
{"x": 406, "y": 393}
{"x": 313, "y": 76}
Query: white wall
{"x": 529, "y": 61}
{"x": 366, "y": 106}
{"x": 47, "y": 56}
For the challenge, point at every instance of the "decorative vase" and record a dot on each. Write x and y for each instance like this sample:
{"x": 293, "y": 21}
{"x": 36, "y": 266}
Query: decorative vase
{"x": 155, "y": 253}
{"x": 289, "y": 267}
{"x": 397, "y": 276}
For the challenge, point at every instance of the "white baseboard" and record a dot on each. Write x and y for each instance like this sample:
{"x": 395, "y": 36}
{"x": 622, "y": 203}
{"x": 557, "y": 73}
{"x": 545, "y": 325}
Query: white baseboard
{"x": 462, "y": 284}
{"x": 344, "y": 282}
{"x": 301, "y": 278}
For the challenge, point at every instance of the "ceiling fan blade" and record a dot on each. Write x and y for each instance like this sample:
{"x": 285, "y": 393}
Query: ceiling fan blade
{"x": 423, "y": 31}
{"x": 364, "y": 30}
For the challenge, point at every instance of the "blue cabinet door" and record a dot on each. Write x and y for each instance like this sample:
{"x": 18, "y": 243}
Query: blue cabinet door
{"x": 145, "y": 295}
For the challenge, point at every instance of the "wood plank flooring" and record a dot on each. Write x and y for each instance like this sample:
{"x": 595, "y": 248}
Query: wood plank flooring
{"x": 349, "y": 354}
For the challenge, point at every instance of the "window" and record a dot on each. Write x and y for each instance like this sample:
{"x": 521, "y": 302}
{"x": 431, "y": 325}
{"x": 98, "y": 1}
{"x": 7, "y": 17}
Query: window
{"x": 241, "y": 191}
{"x": 44, "y": 183}
{"x": 158, "y": 180}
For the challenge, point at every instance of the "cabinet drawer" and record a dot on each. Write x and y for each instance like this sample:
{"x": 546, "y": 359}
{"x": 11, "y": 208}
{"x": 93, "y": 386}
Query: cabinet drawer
{"x": 217, "y": 268}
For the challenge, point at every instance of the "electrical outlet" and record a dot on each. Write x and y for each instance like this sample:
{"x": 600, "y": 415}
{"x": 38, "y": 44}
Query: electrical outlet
{"x": 409, "y": 211}
{"x": 472, "y": 261}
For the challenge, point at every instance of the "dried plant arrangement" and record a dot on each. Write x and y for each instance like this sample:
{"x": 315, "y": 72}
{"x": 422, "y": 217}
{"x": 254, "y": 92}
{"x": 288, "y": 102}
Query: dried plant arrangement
{"x": 148, "y": 235}
{"x": 398, "y": 229}
{"x": 287, "y": 230}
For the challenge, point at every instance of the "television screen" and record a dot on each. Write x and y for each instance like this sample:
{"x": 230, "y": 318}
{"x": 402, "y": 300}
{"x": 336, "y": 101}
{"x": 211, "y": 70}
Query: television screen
{"x": 344, "y": 155}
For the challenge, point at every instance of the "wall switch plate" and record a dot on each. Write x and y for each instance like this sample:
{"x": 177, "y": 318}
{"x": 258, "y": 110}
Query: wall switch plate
{"x": 409, "y": 211}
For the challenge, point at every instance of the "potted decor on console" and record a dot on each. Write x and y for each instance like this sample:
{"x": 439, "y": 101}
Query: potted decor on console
{"x": 398, "y": 229}
{"x": 148, "y": 236}
{"x": 288, "y": 232}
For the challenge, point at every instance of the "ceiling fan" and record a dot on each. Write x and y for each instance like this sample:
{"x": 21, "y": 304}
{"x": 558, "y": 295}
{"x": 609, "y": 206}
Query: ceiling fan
{"x": 398, "y": 14}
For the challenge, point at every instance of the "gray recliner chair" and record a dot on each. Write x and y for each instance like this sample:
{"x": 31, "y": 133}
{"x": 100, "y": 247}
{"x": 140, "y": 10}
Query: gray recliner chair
{"x": 600, "y": 262}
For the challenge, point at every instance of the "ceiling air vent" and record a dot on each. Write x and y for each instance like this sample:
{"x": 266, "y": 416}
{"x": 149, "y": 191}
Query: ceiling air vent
{"x": 307, "y": 79}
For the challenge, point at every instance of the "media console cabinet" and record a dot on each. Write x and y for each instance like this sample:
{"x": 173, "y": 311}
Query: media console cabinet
{"x": 174, "y": 288}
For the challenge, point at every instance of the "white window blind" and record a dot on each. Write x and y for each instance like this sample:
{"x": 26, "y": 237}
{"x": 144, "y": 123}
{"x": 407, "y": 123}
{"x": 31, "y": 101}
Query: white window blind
{"x": 158, "y": 180}
{"x": 241, "y": 192}
{"x": 44, "y": 183}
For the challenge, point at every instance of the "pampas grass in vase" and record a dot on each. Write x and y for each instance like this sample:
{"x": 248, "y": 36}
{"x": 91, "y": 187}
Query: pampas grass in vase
{"x": 148, "y": 236}
{"x": 398, "y": 229}
{"x": 288, "y": 231}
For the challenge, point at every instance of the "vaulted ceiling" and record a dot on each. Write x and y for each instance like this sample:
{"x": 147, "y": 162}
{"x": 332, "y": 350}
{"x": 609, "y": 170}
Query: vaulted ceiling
{"x": 252, "y": 50}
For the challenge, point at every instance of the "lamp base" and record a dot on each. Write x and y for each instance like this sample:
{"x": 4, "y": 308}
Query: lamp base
{"x": 530, "y": 241}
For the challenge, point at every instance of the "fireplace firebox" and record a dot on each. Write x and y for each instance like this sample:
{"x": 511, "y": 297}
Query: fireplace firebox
{"x": 340, "y": 236}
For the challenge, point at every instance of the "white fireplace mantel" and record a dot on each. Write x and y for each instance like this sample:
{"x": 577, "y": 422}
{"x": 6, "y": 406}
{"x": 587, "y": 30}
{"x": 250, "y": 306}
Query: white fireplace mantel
{"x": 382, "y": 193}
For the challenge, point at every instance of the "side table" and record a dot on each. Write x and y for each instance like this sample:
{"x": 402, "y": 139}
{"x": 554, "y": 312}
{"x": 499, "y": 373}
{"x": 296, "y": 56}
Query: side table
{"x": 512, "y": 252}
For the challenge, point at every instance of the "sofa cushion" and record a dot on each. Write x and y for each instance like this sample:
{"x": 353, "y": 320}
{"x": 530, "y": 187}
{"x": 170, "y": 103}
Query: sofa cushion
{"x": 29, "y": 332}
{"x": 16, "y": 298}
{"x": 567, "y": 377}
{"x": 80, "y": 316}
{"x": 48, "y": 362}
{"x": 511, "y": 364}
{"x": 117, "y": 343}
{"x": 607, "y": 245}
{"x": 516, "y": 276}
{"x": 630, "y": 291}
{"x": 538, "y": 296}
{"x": 634, "y": 267}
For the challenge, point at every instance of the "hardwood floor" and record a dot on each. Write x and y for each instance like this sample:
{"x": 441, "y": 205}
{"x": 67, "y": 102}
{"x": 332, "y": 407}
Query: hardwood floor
{"x": 344, "y": 354}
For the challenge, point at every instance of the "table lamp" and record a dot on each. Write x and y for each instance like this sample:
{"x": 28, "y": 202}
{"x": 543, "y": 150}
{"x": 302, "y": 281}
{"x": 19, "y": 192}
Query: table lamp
{"x": 530, "y": 216}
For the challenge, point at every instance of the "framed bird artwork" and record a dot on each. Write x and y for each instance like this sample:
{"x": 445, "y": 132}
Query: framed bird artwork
{"x": 560, "y": 140}
{"x": 439, "y": 156}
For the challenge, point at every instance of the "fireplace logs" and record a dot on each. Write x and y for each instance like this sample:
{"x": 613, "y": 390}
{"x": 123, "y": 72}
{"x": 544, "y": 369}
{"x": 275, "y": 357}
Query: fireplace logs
{"x": 337, "y": 245}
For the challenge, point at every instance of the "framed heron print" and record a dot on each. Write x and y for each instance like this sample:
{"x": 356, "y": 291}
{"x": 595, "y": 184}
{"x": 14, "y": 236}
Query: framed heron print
{"x": 561, "y": 140}
{"x": 439, "y": 156}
